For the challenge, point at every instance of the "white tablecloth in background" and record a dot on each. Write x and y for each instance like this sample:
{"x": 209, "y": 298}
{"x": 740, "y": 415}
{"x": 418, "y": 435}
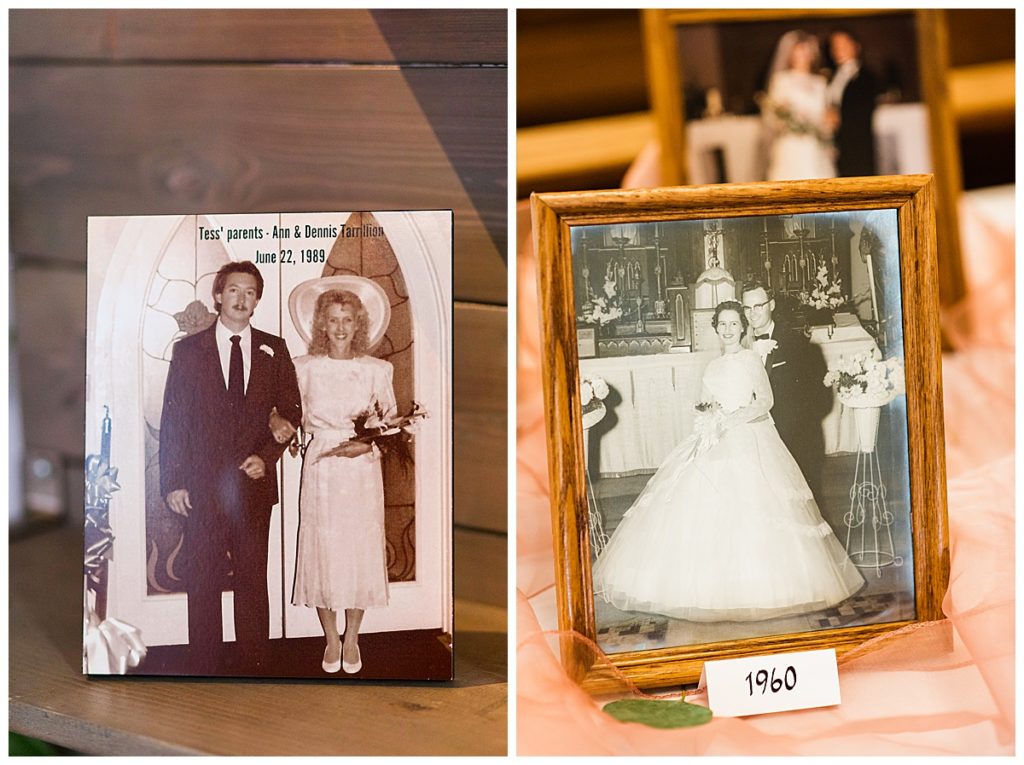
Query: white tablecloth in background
{"x": 739, "y": 138}
{"x": 903, "y": 144}
{"x": 650, "y": 408}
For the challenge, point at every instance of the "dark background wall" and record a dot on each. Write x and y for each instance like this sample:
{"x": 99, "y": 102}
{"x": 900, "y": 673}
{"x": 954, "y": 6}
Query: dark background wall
{"x": 134, "y": 112}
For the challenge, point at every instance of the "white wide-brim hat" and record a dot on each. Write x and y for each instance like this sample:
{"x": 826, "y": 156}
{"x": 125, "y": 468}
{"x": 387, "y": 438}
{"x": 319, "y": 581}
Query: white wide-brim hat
{"x": 302, "y": 304}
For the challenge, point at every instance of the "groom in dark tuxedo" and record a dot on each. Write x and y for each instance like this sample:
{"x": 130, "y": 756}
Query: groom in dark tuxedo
{"x": 796, "y": 369}
{"x": 217, "y": 467}
{"x": 851, "y": 94}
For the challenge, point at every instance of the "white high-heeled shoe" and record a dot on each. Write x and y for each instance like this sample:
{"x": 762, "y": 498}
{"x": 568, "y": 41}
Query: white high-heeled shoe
{"x": 330, "y": 666}
{"x": 355, "y": 666}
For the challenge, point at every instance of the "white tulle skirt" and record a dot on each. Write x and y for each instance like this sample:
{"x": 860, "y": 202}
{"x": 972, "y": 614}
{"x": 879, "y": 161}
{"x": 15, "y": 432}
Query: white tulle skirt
{"x": 726, "y": 530}
{"x": 795, "y": 157}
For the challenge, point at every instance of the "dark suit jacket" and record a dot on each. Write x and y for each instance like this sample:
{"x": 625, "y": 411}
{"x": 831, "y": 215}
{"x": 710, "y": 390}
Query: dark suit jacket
{"x": 796, "y": 369}
{"x": 855, "y": 138}
{"x": 200, "y": 445}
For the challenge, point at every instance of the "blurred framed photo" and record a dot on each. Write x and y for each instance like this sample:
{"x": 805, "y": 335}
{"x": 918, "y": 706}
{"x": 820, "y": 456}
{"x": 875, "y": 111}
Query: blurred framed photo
{"x": 779, "y": 483}
{"x": 764, "y": 95}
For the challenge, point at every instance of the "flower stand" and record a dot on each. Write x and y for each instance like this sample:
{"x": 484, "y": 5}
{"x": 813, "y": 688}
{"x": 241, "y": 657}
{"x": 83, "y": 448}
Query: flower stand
{"x": 869, "y": 540}
{"x": 598, "y": 537}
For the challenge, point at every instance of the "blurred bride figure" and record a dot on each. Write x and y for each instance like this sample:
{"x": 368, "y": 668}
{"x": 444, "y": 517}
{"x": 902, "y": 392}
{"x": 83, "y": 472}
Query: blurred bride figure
{"x": 794, "y": 110}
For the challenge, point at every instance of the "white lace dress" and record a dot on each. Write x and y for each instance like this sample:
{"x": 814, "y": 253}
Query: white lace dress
{"x": 794, "y": 153}
{"x": 342, "y": 557}
{"x": 726, "y": 529}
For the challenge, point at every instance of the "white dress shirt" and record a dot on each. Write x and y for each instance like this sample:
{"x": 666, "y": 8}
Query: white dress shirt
{"x": 839, "y": 81}
{"x": 761, "y": 346}
{"x": 769, "y": 330}
{"x": 224, "y": 349}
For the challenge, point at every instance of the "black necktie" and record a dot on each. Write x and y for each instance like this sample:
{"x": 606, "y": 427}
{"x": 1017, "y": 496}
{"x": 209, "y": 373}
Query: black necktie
{"x": 236, "y": 375}
{"x": 762, "y": 337}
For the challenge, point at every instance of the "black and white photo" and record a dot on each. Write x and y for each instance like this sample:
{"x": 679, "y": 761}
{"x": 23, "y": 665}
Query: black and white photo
{"x": 745, "y": 426}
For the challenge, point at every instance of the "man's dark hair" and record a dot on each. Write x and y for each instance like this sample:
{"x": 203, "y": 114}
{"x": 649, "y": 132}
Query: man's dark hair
{"x": 844, "y": 31}
{"x": 240, "y": 267}
{"x": 756, "y": 285}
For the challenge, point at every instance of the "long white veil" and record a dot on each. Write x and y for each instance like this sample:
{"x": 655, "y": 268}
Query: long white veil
{"x": 784, "y": 49}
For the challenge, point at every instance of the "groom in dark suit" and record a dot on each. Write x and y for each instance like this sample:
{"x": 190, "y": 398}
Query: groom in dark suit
{"x": 796, "y": 369}
{"x": 217, "y": 467}
{"x": 851, "y": 94}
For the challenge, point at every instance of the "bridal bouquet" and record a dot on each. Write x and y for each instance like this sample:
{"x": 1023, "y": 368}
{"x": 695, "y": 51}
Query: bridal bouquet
{"x": 827, "y": 292}
{"x": 708, "y": 426}
{"x": 866, "y": 376}
{"x": 789, "y": 121}
{"x": 593, "y": 390}
{"x": 388, "y": 434}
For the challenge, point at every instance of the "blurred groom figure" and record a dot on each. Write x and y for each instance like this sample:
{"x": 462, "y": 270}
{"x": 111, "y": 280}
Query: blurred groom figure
{"x": 851, "y": 95}
{"x": 218, "y": 468}
{"x": 796, "y": 369}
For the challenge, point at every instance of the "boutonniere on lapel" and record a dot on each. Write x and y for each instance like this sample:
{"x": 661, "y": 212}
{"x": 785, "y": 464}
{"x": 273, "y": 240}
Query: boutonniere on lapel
{"x": 764, "y": 347}
{"x": 267, "y": 350}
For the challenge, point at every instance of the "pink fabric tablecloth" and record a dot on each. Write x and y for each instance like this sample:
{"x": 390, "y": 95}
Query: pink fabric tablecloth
{"x": 903, "y": 693}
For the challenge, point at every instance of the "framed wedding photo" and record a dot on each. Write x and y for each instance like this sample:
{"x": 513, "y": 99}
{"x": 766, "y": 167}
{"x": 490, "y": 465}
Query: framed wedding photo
{"x": 268, "y": 424}
{"x": 748, "y": 457}
{"x": 767, "y": 94}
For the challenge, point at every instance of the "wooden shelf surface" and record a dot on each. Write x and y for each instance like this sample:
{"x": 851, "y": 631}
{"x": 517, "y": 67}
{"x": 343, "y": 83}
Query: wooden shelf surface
{"x": 51, "y": 700}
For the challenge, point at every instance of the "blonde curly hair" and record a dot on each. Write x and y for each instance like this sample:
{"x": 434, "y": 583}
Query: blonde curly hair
{"x": 319, "y": 343}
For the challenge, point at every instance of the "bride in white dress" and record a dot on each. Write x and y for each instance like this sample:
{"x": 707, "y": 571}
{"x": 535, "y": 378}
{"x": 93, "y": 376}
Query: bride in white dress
{"x": 341, "y": 555}
{"x": 727, "y": 529}
{"x": 795, "y": 110}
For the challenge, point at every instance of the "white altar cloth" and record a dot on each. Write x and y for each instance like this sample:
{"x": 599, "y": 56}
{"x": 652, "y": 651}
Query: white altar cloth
{"x": 650, "y": 404}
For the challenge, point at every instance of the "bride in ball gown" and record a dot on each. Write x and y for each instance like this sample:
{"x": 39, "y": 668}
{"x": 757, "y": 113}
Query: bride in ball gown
{"x": 727, "y": 529}
{"x": 795, "y": 111}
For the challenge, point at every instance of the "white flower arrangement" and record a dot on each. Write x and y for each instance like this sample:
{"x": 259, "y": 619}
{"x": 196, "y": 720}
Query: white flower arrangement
{"x": 866, "y": 375}
{"x": 603, "y": 310}
{"x": 593, "y": 390}
{"x": 827, "y": 293}
{"x": 764, "y": 347}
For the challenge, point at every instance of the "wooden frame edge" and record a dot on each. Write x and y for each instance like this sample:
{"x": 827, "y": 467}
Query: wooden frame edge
{"x": 553, "y": 215}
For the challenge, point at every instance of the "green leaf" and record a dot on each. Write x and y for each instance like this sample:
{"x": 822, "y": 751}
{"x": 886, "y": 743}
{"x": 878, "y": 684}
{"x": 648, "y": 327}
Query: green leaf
{"x": 658, "y": 714}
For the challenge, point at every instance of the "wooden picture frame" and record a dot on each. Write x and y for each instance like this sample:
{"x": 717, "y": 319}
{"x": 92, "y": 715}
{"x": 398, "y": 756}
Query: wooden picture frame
{"x": 666, "y": 85}
{"x": 911, "y": 201}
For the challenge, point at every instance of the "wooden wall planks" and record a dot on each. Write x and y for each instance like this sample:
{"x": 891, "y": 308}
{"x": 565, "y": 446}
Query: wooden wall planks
{"x": 133, "y": 112}
{"x": 481, "y": 569}
{"x": 481, "y": 385}
{"x": 442, "y": 36}
{"x": 48, "y": 332}
{"x": 120, "y": 140}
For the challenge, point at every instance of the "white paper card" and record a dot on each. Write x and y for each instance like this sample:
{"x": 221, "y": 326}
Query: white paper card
{"x": 779, "y": 682}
